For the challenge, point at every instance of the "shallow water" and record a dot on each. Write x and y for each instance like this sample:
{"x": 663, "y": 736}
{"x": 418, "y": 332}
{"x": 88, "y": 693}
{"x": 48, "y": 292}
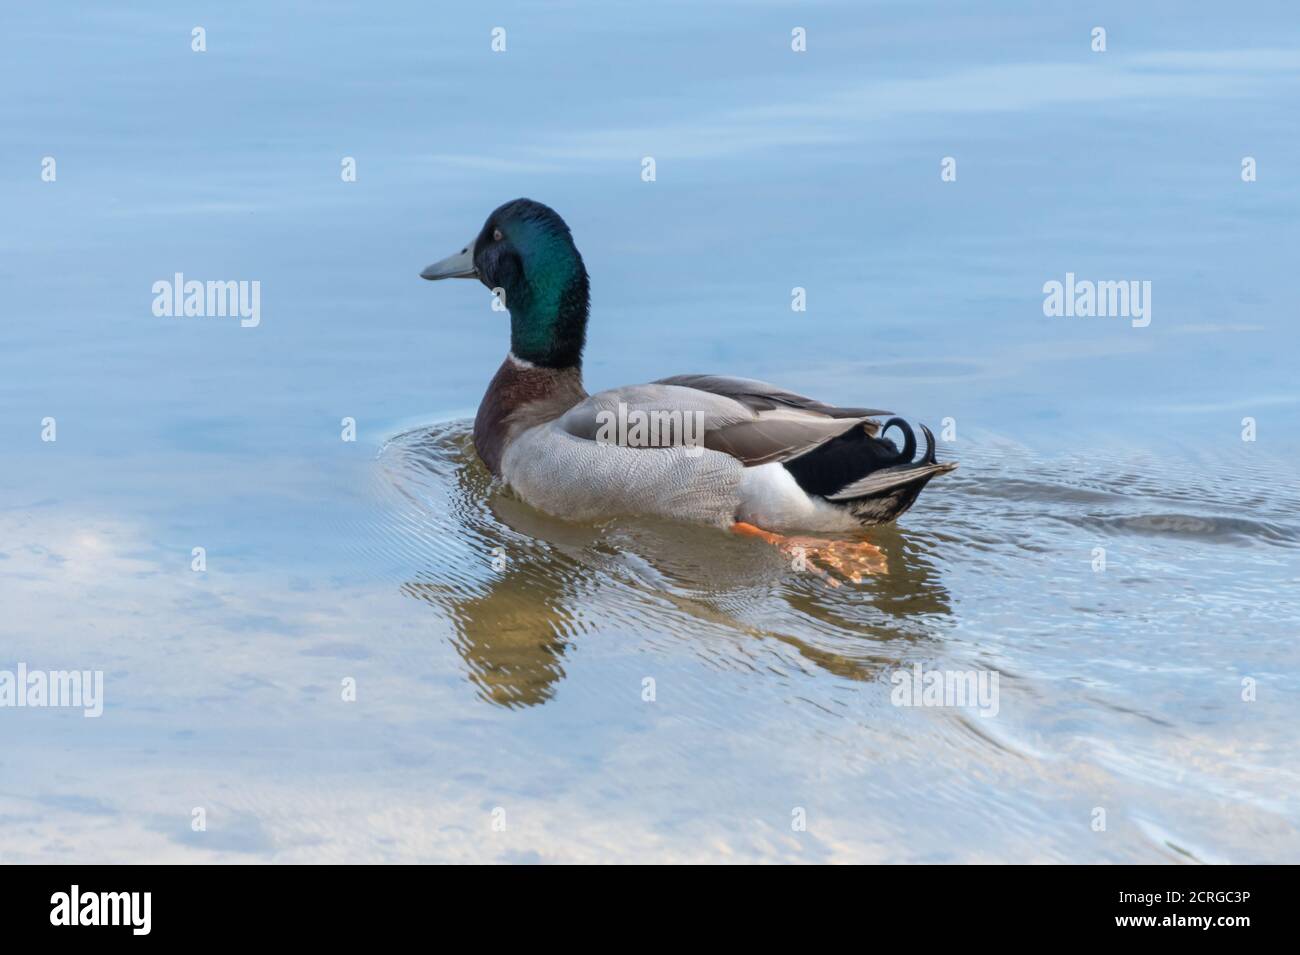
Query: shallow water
{"x": 499, "y": 656}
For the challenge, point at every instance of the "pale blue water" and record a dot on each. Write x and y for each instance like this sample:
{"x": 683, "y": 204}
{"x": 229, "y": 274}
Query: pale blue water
{"x": 521, "y": 688}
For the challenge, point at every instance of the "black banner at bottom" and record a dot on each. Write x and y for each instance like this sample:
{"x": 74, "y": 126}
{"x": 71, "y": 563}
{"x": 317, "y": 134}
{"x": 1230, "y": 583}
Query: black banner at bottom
{"x": 334, "y": 904}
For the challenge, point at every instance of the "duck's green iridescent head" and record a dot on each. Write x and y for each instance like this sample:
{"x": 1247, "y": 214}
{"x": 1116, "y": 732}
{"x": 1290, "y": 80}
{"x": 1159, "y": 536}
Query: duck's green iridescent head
{"x": 526, "y": 250}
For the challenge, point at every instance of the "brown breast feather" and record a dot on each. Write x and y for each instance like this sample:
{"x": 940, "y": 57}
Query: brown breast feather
{"x": 519, "y": 397}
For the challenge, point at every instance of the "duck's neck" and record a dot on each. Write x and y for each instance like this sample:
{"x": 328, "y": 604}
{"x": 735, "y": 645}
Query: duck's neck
{"x": 522, "y": 395}
{"x": 548, "y": 311}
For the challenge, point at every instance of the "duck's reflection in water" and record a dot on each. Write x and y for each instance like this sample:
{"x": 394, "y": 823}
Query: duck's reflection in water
{"x": 512, "y": 637}
{"x": 537, "y": 584}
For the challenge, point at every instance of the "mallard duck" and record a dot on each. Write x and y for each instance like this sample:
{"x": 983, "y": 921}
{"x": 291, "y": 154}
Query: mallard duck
{"x": 734, "y": 452}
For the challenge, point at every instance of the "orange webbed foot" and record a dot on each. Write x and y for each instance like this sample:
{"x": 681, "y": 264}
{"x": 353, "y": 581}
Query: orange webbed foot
{"x": 824, "y": 556}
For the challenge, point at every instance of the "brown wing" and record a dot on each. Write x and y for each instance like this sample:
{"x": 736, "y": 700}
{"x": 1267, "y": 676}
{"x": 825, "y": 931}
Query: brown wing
{"x": 761, "y": 396}
{"x": 753, "y": 433}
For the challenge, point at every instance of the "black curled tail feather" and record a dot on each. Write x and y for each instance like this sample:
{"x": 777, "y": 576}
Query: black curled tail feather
{"x": 930, "y": 447}
{"x": 909, "y": 439}
{"x": 831, "y": 467}
{"x": 889, "y": 490}
{"x": 868, "y": 473}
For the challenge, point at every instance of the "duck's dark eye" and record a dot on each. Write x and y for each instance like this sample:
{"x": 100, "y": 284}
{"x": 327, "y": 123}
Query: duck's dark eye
{"x": 496, "y": 235}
